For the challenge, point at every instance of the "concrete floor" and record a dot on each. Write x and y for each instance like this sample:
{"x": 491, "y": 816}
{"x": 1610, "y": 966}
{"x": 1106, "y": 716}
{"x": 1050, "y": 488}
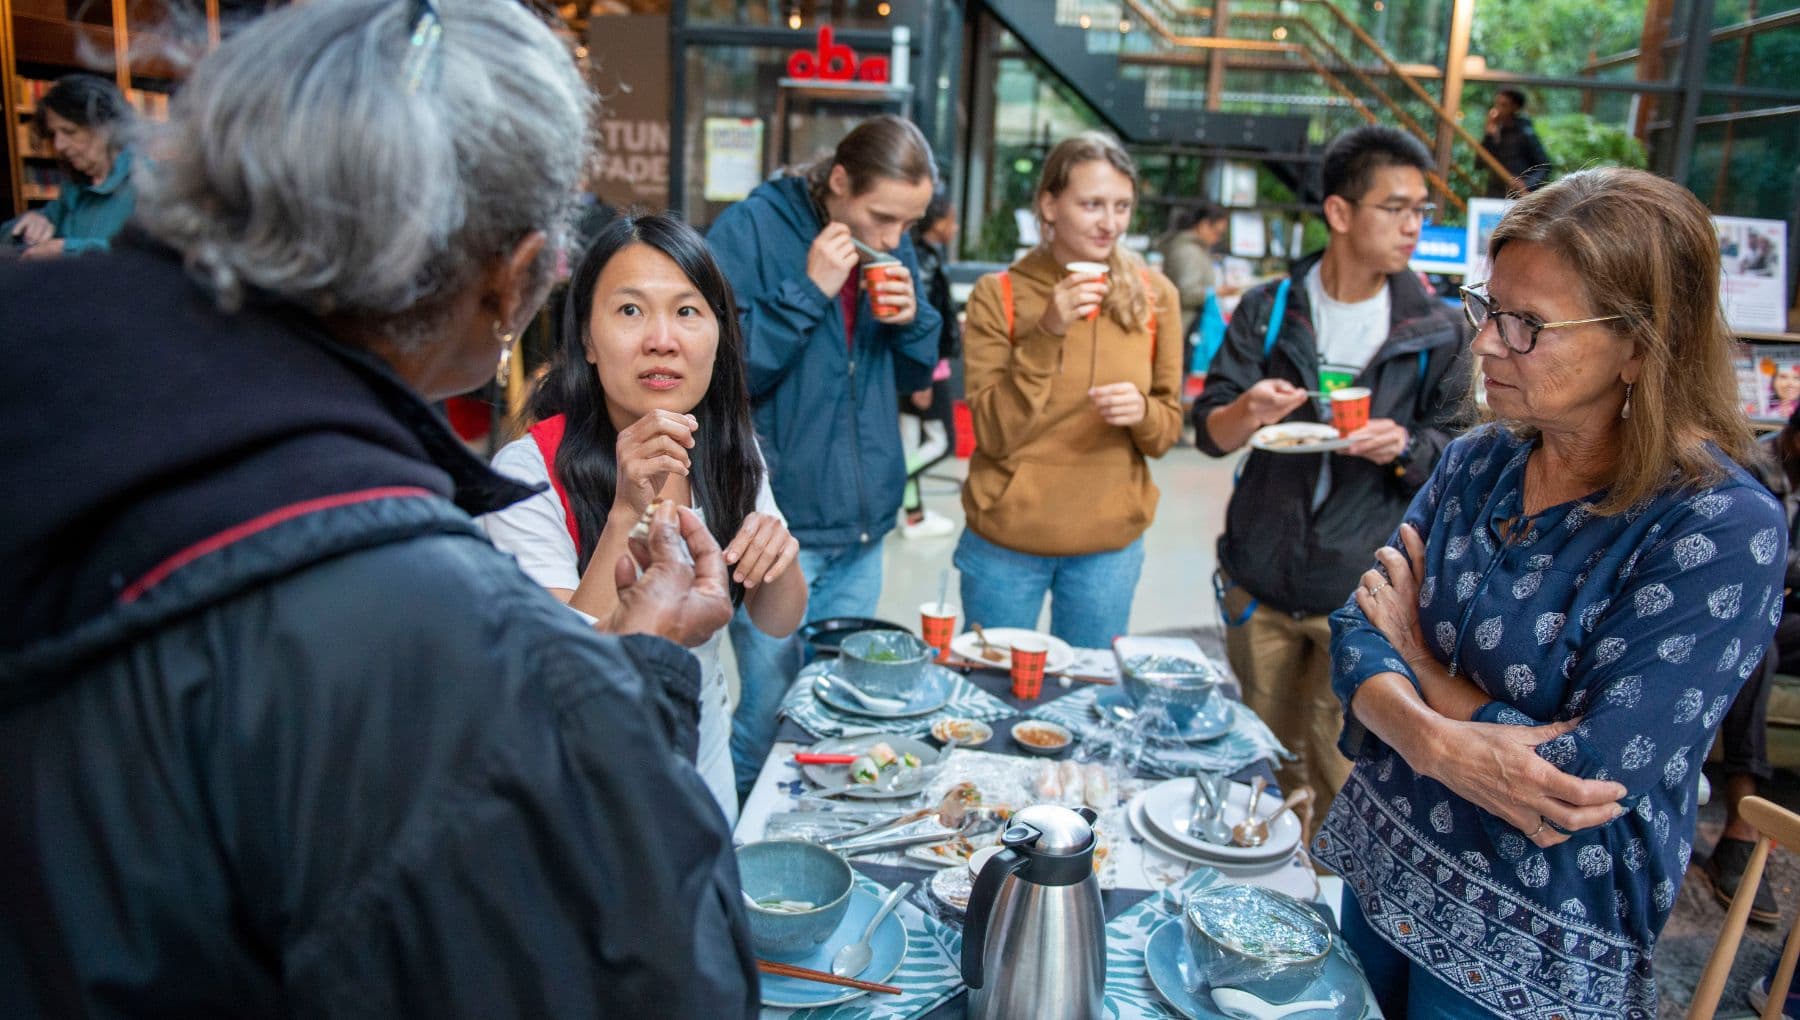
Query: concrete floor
{"x": 1176, "y": 589}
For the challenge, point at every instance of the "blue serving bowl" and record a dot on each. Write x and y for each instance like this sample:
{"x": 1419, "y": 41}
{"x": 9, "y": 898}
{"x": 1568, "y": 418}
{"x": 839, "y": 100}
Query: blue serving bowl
{"x": 884, "y": 663}
{"x": 1214, "y": 921}
{"x": 791, "y": 869}
{"x": 1183, "y": 693}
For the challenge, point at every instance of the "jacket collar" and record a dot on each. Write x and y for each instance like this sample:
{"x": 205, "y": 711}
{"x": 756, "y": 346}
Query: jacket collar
{"x": 115, "y": 178}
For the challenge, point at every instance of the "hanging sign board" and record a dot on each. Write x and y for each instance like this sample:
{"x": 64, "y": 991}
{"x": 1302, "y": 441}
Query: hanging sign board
{"x": 734, "y": 153}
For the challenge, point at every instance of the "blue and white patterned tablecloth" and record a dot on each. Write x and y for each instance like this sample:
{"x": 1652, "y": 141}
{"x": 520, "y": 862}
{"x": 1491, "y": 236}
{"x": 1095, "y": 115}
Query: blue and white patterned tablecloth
{"x": 1247, "y": 741}
{"x": 930, "y": 974}
{"x": 967, "y": 701}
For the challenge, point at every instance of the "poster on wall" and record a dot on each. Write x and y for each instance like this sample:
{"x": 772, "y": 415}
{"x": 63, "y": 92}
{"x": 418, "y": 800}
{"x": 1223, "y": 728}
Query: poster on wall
{"x": 1753, "y": 273}
{"x": 1768, "y": 378}
{"x": 628, "y": 64}
{"x": 1249, "y": 235}
{"x": 734, "y": 155}
{"x": 1484, "y": 216}
{"x": 1237, "y": 184}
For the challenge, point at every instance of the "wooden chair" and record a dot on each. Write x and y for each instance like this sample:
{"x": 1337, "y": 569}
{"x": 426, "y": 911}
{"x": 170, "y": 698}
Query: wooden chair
{"x": 1773, "y": 825}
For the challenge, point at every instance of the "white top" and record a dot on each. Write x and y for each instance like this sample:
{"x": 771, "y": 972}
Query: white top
{"x": 535, "y": 531}
{"x": 1349, "y": 333}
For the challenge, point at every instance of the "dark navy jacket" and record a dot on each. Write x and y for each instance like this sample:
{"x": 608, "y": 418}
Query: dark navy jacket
{"x": 827, "y": 411}
{"x": 281, "y": 733}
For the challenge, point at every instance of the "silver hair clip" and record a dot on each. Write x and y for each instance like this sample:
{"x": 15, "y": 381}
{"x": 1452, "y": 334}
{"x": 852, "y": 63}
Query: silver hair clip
{"x": 424, "y": 46}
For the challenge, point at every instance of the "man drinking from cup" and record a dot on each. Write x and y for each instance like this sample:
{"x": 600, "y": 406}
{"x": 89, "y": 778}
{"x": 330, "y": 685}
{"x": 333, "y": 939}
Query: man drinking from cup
{"x": 1351, "y": 323}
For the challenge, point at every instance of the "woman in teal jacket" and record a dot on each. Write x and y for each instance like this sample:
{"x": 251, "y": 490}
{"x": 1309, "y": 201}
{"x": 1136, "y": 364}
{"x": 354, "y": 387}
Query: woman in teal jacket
{"x": 86, "y": 121}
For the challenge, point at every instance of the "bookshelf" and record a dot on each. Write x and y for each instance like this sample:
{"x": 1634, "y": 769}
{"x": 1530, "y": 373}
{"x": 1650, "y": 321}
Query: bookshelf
{"x": 42, "y": 40}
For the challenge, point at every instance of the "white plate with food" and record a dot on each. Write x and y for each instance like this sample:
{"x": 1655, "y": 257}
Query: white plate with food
{"x": 888, "y": 766}
{"x": 1166, "y": 806}
{"x": 1000, "y": 639}
{"x": 1298, "y": 437}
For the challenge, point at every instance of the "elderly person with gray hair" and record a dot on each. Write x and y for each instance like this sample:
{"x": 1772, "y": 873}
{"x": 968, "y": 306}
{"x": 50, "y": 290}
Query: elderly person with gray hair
{"x": 280, "y": 732}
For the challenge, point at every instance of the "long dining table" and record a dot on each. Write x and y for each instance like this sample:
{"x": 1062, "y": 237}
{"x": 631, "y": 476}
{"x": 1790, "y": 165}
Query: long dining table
{"x": 1139, "y": 878}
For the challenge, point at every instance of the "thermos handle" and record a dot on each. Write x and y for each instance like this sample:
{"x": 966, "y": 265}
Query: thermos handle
{"x": 981, "y": 904}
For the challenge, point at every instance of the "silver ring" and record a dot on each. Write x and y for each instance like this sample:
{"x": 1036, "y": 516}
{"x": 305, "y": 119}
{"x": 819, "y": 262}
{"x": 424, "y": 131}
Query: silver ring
{"x": 1540, "y": 828}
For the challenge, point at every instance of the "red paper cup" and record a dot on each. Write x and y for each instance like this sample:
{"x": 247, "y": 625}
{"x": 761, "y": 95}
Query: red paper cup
{"x": 1349, "y": 409}
{"x": 1028, "y": 657}
{"x": 937, "y": 625}
{"x": 874, "y": 273}
{"x": 1089, "y": 269}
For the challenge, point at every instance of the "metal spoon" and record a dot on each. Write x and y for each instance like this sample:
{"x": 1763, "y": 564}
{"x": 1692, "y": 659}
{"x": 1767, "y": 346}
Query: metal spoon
{"x": 854, "y": 958}
{"x": 989, "y": 651}
{"x": 1238, "y": 1003}
{"x": 1254, "y": 831}
{"x": 868, "y": 701}
{"x": 1212, "y": 828}
{"x": 1242, "y": 833}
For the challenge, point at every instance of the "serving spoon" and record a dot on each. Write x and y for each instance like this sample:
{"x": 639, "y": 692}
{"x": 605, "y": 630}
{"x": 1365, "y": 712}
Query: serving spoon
{"x": 950, "y": 813}
{"x": 1254, "y": 831}
{"x": 1238, "y": 1003}
{"x": 988, "y": 650}
{"x": 868, "y": 701}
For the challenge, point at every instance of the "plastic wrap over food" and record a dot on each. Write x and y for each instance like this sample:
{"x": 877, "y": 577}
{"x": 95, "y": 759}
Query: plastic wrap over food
{"x": 1256, "y": 939}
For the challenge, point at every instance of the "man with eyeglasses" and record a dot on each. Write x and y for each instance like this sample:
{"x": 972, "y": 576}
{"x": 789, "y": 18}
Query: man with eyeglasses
{"x": 1299, "y": 526}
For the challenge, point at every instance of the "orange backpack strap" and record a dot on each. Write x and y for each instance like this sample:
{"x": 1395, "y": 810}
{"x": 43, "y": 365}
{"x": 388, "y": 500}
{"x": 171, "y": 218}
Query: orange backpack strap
{"x": 1006, "y": 300}
{"x": 1150, "y": 289}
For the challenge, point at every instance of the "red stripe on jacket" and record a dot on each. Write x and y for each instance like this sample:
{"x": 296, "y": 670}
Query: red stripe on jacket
{"x": 261, "y": 522}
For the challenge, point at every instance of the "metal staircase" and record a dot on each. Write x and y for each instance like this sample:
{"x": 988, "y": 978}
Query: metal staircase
{"x": 1136, "y": 63}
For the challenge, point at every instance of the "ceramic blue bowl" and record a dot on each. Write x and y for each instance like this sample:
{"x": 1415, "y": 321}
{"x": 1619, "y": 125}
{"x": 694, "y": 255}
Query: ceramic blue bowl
{"x": 1183, "y": 686}
{"x": 884, "y": 663}
{"x": 1267, "y": 943}
{"x": 799, "y": 872}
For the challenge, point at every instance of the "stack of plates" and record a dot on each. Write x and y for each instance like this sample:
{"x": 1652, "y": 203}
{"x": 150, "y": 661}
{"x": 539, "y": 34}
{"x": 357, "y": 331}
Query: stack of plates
{"x": 1160, "y": 814}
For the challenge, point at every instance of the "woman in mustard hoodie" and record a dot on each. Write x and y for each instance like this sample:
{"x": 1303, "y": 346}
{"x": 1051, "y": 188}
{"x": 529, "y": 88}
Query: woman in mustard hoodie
{"x": 1074, "y": 377}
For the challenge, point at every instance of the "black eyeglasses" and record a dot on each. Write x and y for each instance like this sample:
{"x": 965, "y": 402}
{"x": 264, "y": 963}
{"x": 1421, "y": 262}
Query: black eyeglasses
{"x": 1424, "y": 212}
{"x": 1518, "y": 330}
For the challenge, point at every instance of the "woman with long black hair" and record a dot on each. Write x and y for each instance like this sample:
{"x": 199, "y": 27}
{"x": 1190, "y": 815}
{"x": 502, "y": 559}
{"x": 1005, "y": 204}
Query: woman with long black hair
{"x": 647, "y": 401}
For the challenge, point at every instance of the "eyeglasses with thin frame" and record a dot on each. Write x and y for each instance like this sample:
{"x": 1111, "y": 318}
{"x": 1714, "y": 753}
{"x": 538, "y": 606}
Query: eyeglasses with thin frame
{"x": 1425, "y": 211}
{"x": 1518, "y": 330}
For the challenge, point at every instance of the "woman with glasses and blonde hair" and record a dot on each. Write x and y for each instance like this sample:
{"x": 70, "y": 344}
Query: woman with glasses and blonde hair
{"x": 1533, "y": 670}
{"x": 1073, "y": 372}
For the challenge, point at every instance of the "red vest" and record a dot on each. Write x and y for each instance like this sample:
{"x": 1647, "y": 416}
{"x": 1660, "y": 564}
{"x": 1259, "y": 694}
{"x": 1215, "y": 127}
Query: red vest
{"x": 548, "y": 435}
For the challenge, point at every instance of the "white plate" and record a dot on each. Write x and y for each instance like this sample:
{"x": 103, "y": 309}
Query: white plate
{"x": 1166, "y": 809}
{"x": 1286, "y": 875}
{"x": 1061, "y": 656}
{"x": 833, "y": 776}
{"x": 1298, "y": 437}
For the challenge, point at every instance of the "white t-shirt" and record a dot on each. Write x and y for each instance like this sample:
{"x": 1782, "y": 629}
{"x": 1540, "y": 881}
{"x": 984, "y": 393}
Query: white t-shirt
{"x": 1348, "y": 333}
{"x": 535, "y": 531}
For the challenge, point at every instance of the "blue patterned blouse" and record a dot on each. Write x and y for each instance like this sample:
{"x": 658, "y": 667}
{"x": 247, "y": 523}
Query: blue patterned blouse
{"x": 1644, "y": 624}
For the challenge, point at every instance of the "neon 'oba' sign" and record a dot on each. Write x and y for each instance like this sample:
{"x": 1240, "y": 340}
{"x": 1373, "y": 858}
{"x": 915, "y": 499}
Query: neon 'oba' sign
{"x": 833, "y": 61}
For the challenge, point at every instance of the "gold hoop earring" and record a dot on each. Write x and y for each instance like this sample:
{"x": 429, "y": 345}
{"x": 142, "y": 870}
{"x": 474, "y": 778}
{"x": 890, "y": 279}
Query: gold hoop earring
{"x": 506, "y": 349}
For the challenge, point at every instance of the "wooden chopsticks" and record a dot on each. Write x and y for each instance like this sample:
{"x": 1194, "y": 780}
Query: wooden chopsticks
{"x": 808, "y": 974}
